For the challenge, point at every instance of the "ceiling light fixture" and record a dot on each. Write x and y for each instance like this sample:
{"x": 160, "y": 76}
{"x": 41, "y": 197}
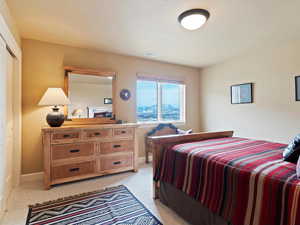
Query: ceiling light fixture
{"x": 193, "y": 19}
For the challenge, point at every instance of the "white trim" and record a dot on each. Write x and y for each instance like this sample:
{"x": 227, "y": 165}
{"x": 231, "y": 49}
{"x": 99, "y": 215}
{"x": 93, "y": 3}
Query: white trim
{"x": 159, "y": 100}
{"x": 17, "y": 113}
{"x": 32, "y": 177}
{"x": 2, "y": 208}
{"x": 9, "y": 38}
{"x": 155, "y": 123}
{"x": 162, "y": 79}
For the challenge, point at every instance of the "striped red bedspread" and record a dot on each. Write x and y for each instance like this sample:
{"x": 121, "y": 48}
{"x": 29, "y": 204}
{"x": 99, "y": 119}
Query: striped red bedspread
{"x": 244, "y": 181}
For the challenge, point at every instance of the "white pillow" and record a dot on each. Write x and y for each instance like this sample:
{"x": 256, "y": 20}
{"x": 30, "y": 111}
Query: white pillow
{"x": 179, "y": 131}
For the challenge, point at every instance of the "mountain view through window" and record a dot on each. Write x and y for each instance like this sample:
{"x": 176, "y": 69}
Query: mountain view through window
{"x": 159, "y": 101}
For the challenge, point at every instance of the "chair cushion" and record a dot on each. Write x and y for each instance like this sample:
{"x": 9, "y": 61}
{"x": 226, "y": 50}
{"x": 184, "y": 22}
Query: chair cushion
{"x": 292, "y": 151}
{"x": 179, "y": 131}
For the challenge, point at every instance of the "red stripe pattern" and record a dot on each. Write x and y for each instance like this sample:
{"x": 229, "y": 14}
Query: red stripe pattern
{"x": 244, "y": 181}
{"x": 113, "y": 206}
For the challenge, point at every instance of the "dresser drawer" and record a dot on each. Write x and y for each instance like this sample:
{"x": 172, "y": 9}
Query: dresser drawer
{"x": 67, "y": 151}
{"x": 118, "y": 146}
{"x": 98, "y": 133}
{"x": 123, "y": 132}
{"x": 110, "y": 162}
{"x": 64, "y": 137}
{"x": 72, "y": 170}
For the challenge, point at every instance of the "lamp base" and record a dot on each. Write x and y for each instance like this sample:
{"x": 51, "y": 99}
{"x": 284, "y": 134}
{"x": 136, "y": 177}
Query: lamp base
{"x": 55, "y": 118}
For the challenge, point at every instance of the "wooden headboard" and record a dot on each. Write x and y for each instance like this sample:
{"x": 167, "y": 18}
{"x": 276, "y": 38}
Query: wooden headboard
{"x": 163, "y": 129}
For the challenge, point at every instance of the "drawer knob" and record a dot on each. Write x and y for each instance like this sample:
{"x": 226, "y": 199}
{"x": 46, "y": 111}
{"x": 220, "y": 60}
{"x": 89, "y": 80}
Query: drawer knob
{"x": 97, "y": 133}
{"x": 67, "y": 135}
{"x": 117, "y": 163}
{"x": 74, "y": 150}
{"x": 117, "y": 146}
{"x": 74, "y": 169}
{"x": 123, "y": 132}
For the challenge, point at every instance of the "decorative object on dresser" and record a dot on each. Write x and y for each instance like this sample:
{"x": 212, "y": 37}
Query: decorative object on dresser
{"x": 125, "y": 94}
{"x": 78, "y": 152}
{"x": 93, "y": 92}
{"x": 241, "y": 93}
{"x": 161, "y": 129}
{"x": 54, "y": 97}
{"x": 108, "y": 101}
{"x": 77, "y": 112}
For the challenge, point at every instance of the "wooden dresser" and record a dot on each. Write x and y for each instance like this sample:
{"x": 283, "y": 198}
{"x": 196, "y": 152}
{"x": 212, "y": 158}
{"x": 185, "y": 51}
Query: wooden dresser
{"x": 78, "y": 152}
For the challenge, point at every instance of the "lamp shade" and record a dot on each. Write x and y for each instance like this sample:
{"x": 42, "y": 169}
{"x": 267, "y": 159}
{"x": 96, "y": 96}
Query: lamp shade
{"x": 54, "y": 96}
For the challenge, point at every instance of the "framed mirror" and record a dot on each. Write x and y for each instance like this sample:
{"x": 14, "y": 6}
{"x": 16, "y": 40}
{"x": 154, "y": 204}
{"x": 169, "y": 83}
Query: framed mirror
{"x": 92, "y": 94}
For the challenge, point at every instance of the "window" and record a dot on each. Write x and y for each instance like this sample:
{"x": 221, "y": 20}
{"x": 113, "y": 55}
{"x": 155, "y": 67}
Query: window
{"x": 160, "y": 101}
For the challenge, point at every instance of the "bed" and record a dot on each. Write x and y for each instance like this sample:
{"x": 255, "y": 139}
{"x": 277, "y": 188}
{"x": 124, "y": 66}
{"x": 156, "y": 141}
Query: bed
{"x": 217, "y": 179}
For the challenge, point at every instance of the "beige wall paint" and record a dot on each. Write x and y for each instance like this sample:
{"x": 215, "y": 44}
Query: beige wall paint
{"x": 43, "y": 67}
{"x": 274, "y": 115}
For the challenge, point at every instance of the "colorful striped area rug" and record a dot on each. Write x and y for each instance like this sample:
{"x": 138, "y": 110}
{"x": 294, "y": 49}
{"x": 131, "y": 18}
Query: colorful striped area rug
{"x": 115, "y": 205}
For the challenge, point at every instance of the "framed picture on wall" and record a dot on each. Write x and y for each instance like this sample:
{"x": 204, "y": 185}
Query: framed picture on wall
{"x": 107, "y": 100}
{"x": 297, "y": 88}
{"x": 241, "y": 93}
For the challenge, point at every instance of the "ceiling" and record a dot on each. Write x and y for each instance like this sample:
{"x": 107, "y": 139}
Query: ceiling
{"x": 149, "y": 28}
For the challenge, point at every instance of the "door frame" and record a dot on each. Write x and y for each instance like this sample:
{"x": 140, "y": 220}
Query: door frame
{"x": 15, "y": 50}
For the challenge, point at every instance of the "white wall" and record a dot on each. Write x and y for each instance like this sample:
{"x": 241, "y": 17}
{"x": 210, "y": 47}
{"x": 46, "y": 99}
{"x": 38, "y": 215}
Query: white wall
{"x": 274, "y": 115}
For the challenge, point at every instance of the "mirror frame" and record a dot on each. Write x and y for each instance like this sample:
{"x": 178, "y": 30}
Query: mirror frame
{"x": 95, "y": 72}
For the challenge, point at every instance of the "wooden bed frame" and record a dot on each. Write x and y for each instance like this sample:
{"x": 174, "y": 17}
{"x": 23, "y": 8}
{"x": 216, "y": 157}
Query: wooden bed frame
{"x": 159, "y": 143}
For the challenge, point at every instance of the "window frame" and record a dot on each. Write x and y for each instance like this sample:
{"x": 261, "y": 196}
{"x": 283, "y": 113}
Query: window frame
{"x": 182, "y": 96}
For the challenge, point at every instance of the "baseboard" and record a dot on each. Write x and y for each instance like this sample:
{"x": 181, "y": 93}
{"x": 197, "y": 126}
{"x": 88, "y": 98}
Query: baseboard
{"x": 2, "y": 208}
{"x": 40, "y": 175}
{"x": 32, "y": 177}
{"x": 4, "y": 199}
{"x": 142, "y": 160}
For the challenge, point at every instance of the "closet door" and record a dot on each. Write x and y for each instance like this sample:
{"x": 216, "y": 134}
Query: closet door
{"x": 6, "y": 122}
{"x": 9, "y": 124}
{"x": 3, "y": 90}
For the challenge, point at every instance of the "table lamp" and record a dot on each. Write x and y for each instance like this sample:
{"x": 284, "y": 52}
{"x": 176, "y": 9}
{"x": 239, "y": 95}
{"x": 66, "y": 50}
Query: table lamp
{"x": 54, "y": 97}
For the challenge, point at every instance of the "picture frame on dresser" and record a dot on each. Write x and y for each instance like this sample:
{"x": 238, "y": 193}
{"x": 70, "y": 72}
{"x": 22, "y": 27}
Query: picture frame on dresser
{"x": 297, "y": 88}
{"x": 107, "y": 101}
{"x": 241, "y": 93}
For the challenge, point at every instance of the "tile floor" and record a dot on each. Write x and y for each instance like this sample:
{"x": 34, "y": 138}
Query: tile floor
{"x": 140, "y": 184}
